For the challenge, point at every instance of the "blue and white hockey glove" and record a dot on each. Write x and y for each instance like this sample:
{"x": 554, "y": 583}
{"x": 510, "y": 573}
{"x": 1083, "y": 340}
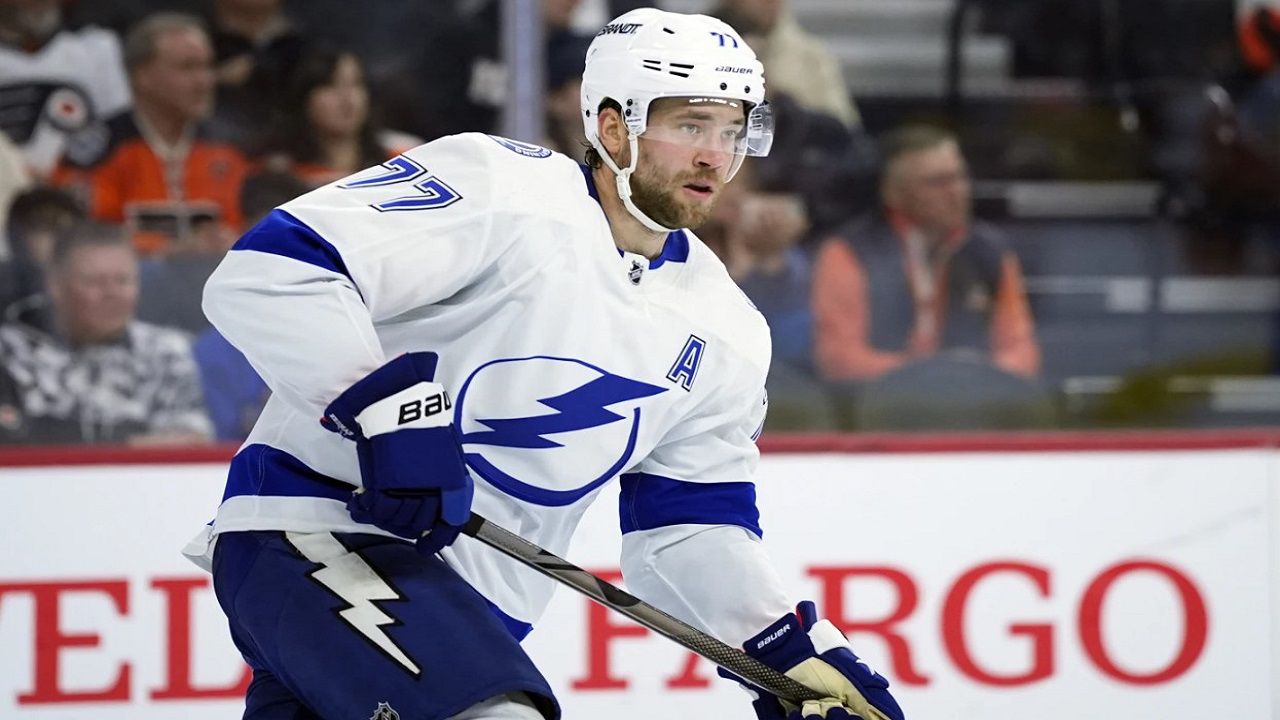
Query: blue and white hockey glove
{"x": 416, "y": 483}
{"x": 814, "y": 653}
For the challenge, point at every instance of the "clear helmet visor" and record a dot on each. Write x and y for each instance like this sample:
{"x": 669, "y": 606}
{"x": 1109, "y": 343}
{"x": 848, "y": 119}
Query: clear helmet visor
{"x": 722, "y": 131}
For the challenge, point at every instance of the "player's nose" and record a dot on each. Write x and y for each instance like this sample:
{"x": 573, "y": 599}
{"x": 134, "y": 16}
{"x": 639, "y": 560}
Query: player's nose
{"x": 711, "y": 159}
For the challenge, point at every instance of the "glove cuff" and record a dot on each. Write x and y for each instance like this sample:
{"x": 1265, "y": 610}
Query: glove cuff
{"x": 402, "y": 373}
{"x": 425, "y": 405}
{"x": 782, "y": 645}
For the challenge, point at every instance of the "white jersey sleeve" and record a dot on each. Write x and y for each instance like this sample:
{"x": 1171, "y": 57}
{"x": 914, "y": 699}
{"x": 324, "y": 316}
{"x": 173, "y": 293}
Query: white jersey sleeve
{"x": 300, "y": 294}
{"x": 691, "y": 533}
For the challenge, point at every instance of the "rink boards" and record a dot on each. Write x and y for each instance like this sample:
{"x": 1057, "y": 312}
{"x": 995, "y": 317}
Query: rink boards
{"x": 1038, "y": 583}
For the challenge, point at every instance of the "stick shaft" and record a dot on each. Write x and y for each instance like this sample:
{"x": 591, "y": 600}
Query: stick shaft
{"x": 609, "y": 595}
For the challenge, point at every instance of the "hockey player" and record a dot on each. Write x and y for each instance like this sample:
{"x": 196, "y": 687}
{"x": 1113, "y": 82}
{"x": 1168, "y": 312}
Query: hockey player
{"x": 484, "y": 324}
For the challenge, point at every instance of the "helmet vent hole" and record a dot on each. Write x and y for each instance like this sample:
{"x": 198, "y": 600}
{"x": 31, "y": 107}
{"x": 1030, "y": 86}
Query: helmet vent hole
{"x": 724, "y": 86}
{"x": 677, "y": 73}
{"x": 668, "y": 31}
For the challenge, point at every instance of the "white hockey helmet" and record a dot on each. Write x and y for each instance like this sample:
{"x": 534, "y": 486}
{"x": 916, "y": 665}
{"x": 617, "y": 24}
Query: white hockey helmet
{"x": 647, "y": 54}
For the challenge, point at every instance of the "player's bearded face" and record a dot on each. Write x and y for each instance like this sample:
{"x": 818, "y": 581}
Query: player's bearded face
{"x": 681, "y": 198}
{"x": 690, "y": 147}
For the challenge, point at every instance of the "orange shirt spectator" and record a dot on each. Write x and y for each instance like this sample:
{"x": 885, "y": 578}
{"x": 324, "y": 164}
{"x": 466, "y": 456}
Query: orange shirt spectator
{"x": 921, "y": 279}
{"x": 165, "y": 193}
{"x": 162, "y": 173}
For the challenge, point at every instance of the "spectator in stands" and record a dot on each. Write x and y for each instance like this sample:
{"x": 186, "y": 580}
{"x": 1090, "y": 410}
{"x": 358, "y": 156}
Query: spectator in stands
{"x": 84, "y": 369}
{"x": 796, "y": 62}
{"x": 57, "y": 86}
{"x": 233, "y": 391}
{"x": 35, "y": 218}
{"x": 326, "y": 130}
{"x": 422, "y": 86}
{"x": 256, "y": 48}
{"x": 921, "y": 277}
{"x": 163, "y": 173}
{"x": 767, "y": 262}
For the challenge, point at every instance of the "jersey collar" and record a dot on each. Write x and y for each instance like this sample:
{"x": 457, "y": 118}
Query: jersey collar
{"x": 674, "y": 249}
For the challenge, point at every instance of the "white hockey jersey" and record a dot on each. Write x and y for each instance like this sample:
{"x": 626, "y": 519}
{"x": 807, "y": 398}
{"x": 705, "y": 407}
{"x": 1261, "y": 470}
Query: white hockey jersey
{"x": 571, "y": 364}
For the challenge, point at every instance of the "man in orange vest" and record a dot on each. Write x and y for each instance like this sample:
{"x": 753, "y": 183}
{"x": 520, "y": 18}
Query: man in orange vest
{"x": 921, "y": 277}
{"x": 164, "y": 173}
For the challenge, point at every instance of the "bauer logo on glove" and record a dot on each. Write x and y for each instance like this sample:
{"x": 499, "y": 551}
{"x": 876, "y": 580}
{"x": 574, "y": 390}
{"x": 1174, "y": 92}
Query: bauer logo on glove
{"x": 418, "y": 409}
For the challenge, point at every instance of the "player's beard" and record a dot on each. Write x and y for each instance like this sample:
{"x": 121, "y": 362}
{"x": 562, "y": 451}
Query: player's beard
{"x": 658, "y": 197}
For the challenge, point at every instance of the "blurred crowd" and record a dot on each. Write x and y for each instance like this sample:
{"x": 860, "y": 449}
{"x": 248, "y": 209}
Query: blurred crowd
{"x": 141, "y": 138}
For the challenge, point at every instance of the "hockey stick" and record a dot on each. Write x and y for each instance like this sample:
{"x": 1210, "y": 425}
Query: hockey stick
{"x": 610, "y": 596}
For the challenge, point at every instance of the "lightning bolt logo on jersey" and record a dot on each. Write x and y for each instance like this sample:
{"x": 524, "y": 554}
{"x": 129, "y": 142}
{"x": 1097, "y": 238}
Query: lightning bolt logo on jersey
{"x": 585, "y": 414}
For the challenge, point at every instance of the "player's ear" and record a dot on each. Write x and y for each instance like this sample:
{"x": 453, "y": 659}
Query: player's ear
{"x": 613, "y": 134}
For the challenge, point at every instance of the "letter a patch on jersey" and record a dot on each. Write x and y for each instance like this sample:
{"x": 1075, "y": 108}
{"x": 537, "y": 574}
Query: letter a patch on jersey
{"x": 685, "y": 368}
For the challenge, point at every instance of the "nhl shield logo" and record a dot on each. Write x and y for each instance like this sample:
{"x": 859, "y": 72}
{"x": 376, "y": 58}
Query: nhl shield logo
{"x": 636, "y": 272}
{"x": 384, "y": 712}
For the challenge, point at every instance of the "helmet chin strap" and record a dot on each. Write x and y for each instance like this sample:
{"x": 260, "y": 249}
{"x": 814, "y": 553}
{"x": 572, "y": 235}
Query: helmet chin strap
{"x": 623, "y": 179}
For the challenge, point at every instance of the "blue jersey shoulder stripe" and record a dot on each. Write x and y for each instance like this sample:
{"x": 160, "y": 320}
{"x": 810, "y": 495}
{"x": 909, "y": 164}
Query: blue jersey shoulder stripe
{"x": 263, "y": 470}
{"x": 652, "y": 501}
{"x": 280, "y": 233}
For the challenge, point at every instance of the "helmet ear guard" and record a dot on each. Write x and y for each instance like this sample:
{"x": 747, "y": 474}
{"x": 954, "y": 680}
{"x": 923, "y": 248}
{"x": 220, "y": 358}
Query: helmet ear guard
{"x": 648, "y": 54}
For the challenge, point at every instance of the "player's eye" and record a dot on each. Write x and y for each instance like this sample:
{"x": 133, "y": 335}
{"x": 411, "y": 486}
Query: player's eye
{"x": 691, "y": 129}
